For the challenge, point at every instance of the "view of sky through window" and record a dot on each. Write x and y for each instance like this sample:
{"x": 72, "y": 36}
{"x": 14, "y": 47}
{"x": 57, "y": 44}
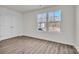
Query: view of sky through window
{"x": 49, "y": 21}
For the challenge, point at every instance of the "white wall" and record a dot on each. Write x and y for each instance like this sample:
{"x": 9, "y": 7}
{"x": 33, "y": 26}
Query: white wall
{"x": 11, "y": 23}
{"x": 14, "y": 24}
{"x": 67, "y": 34}
{"x": 77, "y": 28}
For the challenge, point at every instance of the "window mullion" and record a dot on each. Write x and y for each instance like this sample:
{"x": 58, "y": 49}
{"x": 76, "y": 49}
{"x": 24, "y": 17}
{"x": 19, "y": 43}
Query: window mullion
{"x": 47, "y": 27}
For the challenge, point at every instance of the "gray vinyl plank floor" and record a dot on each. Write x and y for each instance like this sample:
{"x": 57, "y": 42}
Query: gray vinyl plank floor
{"x": 28, "y": 45}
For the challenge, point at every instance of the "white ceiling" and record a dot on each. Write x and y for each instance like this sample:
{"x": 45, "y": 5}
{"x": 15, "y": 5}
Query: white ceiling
{"x": 25, "y": 8}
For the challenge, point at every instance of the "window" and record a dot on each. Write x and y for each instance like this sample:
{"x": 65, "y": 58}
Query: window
{"x": 49, "y": 21}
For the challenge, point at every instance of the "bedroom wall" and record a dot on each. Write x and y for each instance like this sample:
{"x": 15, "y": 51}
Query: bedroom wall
{"x": 67, "y": 34}
{"x": 77, "y": 28}
{"x": 11, "y": 23}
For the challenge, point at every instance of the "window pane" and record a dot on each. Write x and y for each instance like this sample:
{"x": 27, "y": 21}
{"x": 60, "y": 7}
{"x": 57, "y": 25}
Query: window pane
{"x": 54, "y": 27}
{"x": 42, "y": 26}
{"x": 41, "y": 17}
{"x": 57, "y": 15}
{"x": 50, "y": 16}
{"x": 49, "y": 21}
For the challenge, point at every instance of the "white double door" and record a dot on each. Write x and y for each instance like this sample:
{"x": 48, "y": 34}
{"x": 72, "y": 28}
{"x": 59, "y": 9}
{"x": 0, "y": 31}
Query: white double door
{"x": 8, "y": 26}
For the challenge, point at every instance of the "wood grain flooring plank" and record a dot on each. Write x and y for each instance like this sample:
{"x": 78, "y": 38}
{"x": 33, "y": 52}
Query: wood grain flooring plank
{"x": 29, "y": 45}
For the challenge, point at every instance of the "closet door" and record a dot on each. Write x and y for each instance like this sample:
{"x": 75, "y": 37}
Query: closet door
{"x": 5, "y": 26}
{"x": 10, "y": 25}
{"x": 14, "y": 25}
{"x": 1, "y": 26}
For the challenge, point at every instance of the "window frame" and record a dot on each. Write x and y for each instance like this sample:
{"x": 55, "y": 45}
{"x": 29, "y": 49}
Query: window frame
{"x": 54, "y": 21}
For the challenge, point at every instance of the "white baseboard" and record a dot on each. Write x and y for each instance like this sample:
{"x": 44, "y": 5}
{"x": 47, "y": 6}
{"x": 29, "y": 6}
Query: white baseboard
{"x": 4, "y": 38}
